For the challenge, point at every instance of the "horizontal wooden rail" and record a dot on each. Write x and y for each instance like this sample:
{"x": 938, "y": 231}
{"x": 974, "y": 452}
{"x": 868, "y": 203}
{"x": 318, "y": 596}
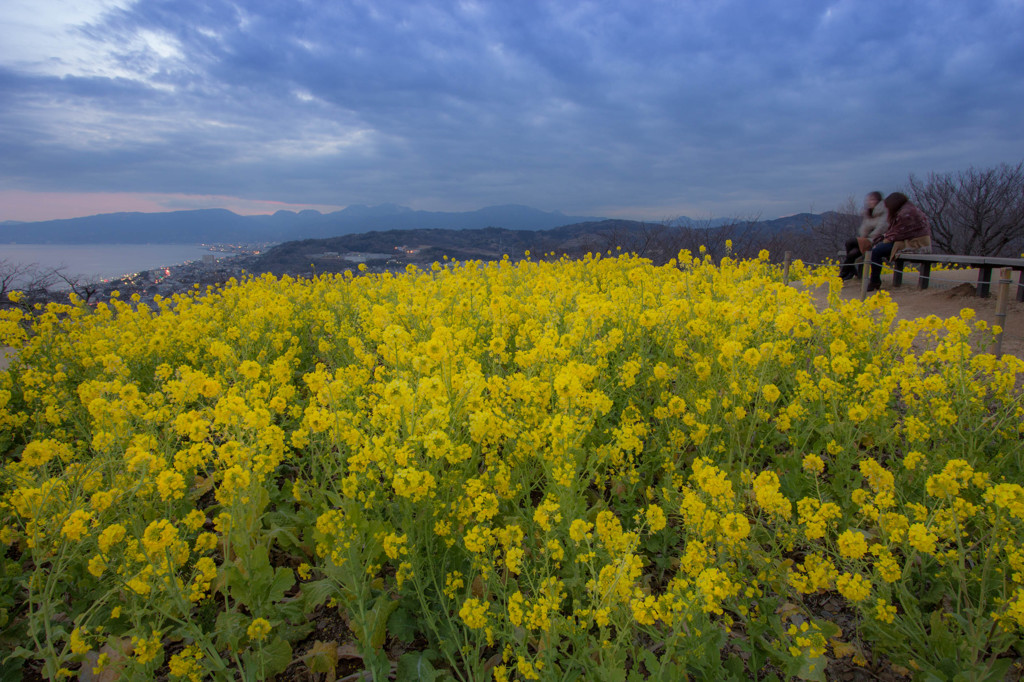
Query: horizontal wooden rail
{"x": 985, "y": 265}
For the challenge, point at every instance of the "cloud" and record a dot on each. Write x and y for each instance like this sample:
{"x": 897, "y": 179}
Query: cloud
{"x": 731, "y": 107}
{"x": 31, "y": 206}
{"x": 45, "y": 36}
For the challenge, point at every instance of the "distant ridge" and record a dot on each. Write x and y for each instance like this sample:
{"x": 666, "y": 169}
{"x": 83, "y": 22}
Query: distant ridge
{"x": 653, "y": 240}
{"x": 221, "y": 225}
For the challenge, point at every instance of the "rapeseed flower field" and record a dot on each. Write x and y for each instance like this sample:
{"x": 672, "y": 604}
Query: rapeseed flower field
{"x": 591, "y": 469}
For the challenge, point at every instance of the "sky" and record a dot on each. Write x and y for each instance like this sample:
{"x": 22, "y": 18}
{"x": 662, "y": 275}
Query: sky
{"x": 649, "y": 109}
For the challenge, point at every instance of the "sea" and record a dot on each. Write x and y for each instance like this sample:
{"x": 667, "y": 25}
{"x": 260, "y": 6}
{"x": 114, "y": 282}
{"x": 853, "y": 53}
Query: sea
{"x": 98, "y": 262}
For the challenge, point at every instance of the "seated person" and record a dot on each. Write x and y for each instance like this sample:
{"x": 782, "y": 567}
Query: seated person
{"x": 875, "y": 218}
{"x": 909, "y": 232}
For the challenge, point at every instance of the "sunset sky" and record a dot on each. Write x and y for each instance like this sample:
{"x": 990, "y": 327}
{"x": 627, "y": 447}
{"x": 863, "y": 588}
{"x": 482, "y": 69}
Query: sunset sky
{"x": 637, "y": 109}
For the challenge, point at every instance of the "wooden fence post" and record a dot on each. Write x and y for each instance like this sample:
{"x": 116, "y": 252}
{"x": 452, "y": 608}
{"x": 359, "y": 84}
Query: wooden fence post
{"x": 1001, "y": 301}
{"x": 785, "y": 268}
{"x": 866, "y": 275}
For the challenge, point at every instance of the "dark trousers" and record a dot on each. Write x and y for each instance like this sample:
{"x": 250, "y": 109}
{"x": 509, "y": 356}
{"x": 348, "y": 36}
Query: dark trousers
{"x": 853, "y": 252}
{"x": 879, "y": 254}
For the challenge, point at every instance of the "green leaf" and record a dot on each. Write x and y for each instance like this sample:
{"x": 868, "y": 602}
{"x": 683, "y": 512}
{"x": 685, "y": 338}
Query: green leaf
{"x": 316, "y": 593}
{"x": 277, "y": 656}
{"x": 291, "y": 610}
{"x": 402, "y": 625}
{"x": 295, "y": 632}
{"x": 829, "y": 629}
{"x": 940, "y": 638}
{"x": 237, "y": 583}
{"x": 612, "y": 675}
{"x": 734, "y": 665}
{"x": 284, "y": 578}
{"x": 11, "y": 671}
{"x": 416, "y": 667}
{"x": 279, "y": 532}
{"x": 650, "y": 661}
{"x": 230, "y": 629}
{"x": 999, "y": 670}
{"x": 262, "y": 573}
{"x": 12, "y": 666}
{"x": 812, "y": 668}
{"x": 382, "y": 609}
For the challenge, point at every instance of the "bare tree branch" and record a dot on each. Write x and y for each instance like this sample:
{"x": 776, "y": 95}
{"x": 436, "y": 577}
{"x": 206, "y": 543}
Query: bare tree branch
{"x": 974, "y": 212}
{"x": 78, "y": 284}
{"x": 28, "y": 278}
{"x": 837, "y": 226}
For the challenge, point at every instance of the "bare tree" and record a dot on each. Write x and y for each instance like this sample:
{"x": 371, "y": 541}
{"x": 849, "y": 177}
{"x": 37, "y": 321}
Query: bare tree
{"x": 28, "y": 278}
{"x": 738, "y": 237}
{"x": 974, "y": 212}
{"x": 837, "y": 226}
{"x": 812, "y": 240}
{"x": 800, "y": 243}
{"x": 78, "y": 284}
{"x": 646, "y": 240}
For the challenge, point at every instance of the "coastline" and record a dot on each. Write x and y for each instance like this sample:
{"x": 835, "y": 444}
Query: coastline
{"x": 147, "y": 270}
{"x": 101, "y": 261}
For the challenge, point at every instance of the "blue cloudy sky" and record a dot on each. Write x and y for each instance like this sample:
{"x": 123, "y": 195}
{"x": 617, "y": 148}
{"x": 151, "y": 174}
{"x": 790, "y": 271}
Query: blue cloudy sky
{"x": 645, "y": 109}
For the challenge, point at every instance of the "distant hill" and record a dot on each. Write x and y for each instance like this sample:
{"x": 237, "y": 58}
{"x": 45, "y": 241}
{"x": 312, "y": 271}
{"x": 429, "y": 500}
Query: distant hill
{"x": 434, "y": 244}
{"x": 220, "y": 225}
{"x": 657, "y": 241}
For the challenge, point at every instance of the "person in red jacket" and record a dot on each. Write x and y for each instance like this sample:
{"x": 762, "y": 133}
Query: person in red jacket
{"x": 909, "y": 230}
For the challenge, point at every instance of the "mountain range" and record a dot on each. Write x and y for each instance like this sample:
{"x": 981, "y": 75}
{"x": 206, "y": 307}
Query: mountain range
{"x": 223, "y": 226}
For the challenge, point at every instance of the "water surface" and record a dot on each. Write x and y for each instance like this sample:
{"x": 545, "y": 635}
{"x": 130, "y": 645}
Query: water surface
{"x": 94, "y": 262}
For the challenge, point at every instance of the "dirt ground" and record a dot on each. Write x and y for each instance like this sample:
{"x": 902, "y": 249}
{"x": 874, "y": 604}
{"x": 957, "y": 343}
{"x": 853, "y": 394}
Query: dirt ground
{"x": 947, "y": 294}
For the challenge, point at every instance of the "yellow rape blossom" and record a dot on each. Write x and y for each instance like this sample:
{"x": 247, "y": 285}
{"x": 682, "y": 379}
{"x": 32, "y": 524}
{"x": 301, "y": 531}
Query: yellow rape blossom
{"x": 474, "y": 613}
{"x": 258, "y": 629}
{"x": 852, "y": 544}
{"x": 656, "y": 519}
{"x": 76, "y": 525}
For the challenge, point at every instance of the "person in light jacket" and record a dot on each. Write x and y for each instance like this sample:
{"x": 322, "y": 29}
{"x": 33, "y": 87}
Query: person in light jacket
{"x": 874, "y": 221}
{"x": 909, "y": 231}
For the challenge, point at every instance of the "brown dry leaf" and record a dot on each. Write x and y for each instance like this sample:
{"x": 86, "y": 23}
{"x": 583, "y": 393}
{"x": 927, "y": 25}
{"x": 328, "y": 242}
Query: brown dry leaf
{"x": 348, "y": 651}
{"x": 116, "y": 650}
{"x": 842, "y": 649}
{"x": 202, "y": 485}
{"x": 787, "y": 610}
{"x": 322, "y": 657}
{"x": 492, "y": 662}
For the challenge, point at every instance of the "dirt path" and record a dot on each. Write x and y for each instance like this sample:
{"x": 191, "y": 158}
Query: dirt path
{"x": 948, "y": 293}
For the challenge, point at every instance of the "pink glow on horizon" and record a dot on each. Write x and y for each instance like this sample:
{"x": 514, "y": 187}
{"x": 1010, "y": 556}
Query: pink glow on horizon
{"x": 29, "y": 206}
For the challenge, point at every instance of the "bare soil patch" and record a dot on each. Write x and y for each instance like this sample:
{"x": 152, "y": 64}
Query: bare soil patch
{"x": 948, "y": 293}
